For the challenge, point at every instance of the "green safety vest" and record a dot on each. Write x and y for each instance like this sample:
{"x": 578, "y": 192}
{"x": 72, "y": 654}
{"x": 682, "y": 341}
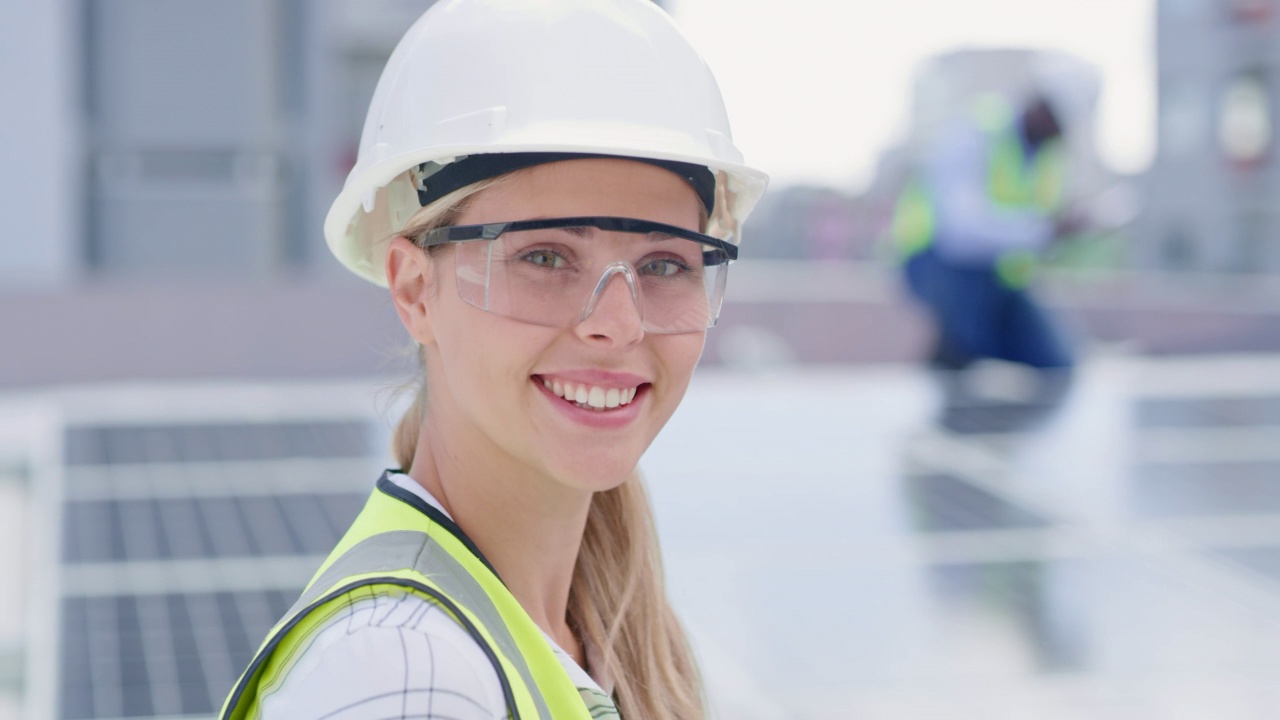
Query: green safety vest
{"x": 400, "y": 542}
{"x": 1012, "y": 184}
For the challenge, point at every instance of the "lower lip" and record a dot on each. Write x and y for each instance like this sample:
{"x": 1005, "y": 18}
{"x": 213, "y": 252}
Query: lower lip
{"x": 610, "y": 419}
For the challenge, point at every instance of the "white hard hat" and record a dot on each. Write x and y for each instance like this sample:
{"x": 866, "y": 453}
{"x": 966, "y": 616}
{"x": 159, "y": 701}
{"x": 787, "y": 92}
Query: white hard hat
{"x": 478, "y": 77}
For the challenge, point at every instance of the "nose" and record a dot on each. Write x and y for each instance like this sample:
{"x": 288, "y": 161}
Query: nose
{"x": 612, "y": 313}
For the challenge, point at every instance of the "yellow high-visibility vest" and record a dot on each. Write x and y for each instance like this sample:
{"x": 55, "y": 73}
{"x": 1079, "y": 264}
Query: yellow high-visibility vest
{"x": 399, "y": 542}
{"x": 1012, "y": 183}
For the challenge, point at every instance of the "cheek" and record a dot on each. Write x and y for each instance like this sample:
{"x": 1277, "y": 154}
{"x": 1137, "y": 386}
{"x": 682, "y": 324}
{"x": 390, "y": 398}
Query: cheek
{"x": 679, "y": 355}
{"x": 488, "y": 357}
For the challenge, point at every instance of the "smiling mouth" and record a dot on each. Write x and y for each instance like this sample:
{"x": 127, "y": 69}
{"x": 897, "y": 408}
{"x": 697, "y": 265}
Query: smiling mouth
{"x": 590, "y": 397}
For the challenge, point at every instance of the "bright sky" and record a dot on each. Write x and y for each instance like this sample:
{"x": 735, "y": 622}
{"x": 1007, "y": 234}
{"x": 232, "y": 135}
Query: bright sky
{"x": 817, "y": 88}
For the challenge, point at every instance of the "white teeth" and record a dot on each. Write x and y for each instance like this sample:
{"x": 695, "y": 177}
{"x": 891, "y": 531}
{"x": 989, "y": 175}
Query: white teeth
{"x": 595, "y": 398}
{"x": 592, "y": 396}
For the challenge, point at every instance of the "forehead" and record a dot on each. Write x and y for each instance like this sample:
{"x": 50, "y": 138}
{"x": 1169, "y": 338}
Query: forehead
{"x": 597, "y": 186}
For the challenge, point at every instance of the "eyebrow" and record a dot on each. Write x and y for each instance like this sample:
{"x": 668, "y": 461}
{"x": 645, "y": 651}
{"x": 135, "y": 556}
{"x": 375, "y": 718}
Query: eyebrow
{"x": 586, "y": 231}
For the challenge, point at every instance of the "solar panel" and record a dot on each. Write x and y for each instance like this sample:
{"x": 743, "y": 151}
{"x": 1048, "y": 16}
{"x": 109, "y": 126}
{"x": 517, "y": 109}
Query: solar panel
{"x": 214, "y": 442}
{"x": 1208, "y": 411}
{"x": 946, "y": 502}
{"x": 1081, "y": 551}
{"x": 183, "y": 544}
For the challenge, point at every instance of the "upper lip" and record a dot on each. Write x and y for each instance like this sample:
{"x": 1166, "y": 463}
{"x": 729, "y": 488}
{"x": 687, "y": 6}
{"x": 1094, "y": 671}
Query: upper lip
{"x": 600, "y": 378}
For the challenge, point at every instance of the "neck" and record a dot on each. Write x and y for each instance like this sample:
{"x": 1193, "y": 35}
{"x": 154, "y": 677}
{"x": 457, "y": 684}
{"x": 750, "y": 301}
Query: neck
{"x": 528, "y": 527}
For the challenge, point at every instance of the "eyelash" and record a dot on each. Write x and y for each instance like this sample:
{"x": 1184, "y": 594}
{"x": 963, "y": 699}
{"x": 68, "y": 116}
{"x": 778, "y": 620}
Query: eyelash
{"x": 681, "y": 266}
{"x": 529, "y": 254}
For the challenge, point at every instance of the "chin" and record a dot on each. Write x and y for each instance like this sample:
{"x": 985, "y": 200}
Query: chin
{"x": 597, "y": 476}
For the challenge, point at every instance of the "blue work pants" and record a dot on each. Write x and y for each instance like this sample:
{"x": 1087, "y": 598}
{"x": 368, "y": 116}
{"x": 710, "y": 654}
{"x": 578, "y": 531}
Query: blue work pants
{"x": 978, "y": 316}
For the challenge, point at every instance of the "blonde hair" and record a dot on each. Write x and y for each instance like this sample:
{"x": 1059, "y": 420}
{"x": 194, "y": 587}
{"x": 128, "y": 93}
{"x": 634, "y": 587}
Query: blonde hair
{"x": 617, "y": 600}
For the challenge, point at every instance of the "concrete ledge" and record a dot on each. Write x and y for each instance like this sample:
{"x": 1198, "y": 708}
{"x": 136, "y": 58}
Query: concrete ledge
{"x": 797, "y": 311}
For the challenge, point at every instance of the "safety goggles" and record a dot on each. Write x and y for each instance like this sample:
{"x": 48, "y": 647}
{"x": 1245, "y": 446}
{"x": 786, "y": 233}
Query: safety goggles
{"x": 553, "y": 271}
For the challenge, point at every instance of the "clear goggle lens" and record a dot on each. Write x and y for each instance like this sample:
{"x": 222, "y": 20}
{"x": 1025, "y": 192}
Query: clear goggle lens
{"x": 555, "y": 276}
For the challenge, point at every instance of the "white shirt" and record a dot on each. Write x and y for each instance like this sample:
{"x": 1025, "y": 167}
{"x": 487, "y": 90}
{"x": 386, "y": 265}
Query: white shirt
{"x": 396, "y": 655}
{"x": 970, "y": 228}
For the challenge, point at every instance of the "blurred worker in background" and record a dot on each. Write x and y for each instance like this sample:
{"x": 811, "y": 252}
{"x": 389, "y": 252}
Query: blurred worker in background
{"x": 986, "y": 201}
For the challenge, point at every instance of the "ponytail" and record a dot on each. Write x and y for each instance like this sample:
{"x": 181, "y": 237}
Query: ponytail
{"x": 618, "y": 603}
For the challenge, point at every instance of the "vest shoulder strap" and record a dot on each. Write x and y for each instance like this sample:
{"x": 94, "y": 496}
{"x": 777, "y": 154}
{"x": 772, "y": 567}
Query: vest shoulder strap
{"x": 394, "y": 542}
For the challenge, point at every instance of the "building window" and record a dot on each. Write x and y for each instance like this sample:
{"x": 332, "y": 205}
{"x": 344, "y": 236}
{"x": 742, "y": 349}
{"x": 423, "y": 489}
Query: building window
{"x": 1244, "y": 120}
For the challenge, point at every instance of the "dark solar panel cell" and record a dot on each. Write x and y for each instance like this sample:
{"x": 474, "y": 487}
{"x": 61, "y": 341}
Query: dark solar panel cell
{"x": 1172, "y": 490}
{"x": 93, "y": 531}
{"x": 75, "y": 520}
{"x": 138, "y": 529}
{"x": 310, "y": 525}
{"x": 216, "y": 442}
{"x": 195, "y": 442}
{"x": 81, "y": 447}
{"x": 237, "y": 638}
{"x": 193, "y": 692}
{"x": 158, "y": 444}
{"x": 342, "y": 509}
{"x": 183, "y": 529}
{"x": 123, "y": 447}
{"x": 1208, "y": 412}
{"x": 280, "y": 601}
{"x": 992, "y": 418}
{"x": 257, "y": 615}
{"x": 134, "y": 682}
{"x": 270, "y": 531}
{"x": 944, "y": 502}
{"x": 76, "y": 694}
{"x": 211, "y": 637}
{"x": 159, "y": 655}
{"x": 164, "y": 540}
{"x": 136, "y": 701}
{"x": 227, "y": 532}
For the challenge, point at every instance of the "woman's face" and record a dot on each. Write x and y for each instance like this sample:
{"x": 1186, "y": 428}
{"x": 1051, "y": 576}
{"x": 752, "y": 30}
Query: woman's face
{"x": 509, "y": 388}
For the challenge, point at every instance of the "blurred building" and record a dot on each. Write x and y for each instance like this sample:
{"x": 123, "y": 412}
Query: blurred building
{"x": 1215, "y": 180}
{"x": 177, "y": 138}
{"x": 803, "y": 222}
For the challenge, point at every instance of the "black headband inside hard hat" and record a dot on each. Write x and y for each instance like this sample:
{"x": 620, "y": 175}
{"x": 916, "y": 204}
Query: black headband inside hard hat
{"x": 474, "y": 168}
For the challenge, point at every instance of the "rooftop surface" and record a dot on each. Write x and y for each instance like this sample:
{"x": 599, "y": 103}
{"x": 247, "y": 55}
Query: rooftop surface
{"x": 832, "y": 549}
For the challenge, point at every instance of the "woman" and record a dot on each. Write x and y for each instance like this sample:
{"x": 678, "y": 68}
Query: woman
{"x": 550, "y": 194}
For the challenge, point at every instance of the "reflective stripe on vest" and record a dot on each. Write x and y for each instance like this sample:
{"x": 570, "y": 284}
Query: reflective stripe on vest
{"x": 398, "y": 542}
